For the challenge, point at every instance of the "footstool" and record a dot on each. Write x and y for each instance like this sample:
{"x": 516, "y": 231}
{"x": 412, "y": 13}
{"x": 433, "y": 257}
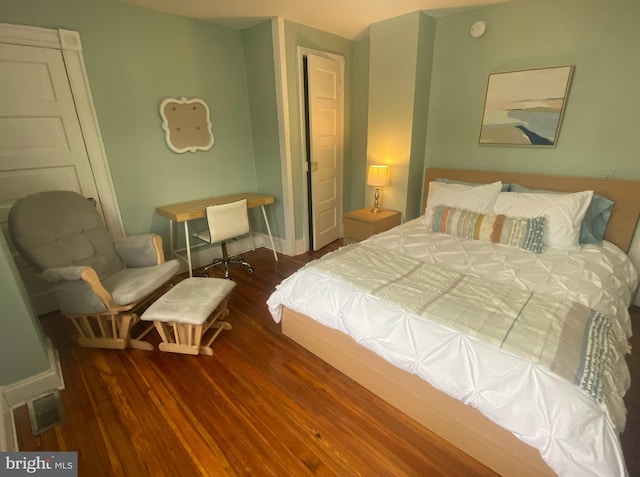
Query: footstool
{"x": 186, "y": 312}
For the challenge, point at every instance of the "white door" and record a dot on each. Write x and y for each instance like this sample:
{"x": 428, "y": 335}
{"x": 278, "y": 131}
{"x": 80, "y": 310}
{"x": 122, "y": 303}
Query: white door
{"x": 325, "y": 146}
{"x": 41, "y": 143}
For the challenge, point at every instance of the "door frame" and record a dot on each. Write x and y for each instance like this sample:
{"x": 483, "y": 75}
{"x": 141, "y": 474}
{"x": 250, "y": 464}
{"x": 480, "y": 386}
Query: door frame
{"x": 68, "y": 41}
{"x": 301, "y": 53}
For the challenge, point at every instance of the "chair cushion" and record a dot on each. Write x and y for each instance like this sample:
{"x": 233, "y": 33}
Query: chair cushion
{"x": 61, "y": 229}
{"x": 203, "y": 235}
{"x": 191, "y": 301}
{"x": 132, "y": 284}
{"x": 226, "y": 221}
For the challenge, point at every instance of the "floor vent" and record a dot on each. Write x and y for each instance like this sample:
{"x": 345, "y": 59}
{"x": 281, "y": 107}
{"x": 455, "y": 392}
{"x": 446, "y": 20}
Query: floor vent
{"x": 46, "y": 412}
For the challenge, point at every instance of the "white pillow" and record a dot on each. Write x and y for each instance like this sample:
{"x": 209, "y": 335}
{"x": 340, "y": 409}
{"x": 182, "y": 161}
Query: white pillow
{"x": 475, "y": 198}
{"x": 563, "y": 213}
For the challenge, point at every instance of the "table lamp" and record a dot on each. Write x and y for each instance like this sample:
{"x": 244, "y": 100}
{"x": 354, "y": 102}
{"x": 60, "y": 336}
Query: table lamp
{"x": 377, "y": 177}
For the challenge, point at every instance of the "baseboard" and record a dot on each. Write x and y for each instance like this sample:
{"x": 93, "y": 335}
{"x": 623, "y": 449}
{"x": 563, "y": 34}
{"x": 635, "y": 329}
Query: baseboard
{"x": 204, "y": 255}
{"x": 300, "y": 246}
{"x": 17, "y": 394}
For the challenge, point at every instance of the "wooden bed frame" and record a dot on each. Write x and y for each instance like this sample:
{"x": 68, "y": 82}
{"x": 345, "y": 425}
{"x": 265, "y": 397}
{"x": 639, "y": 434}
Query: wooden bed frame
{"x": 461, "y": 425}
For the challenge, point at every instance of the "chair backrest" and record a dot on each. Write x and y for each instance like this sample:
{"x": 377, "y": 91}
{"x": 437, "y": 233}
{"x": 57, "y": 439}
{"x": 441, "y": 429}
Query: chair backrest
{"x": 228, "y": 220}
{"x": 61, "y": 229}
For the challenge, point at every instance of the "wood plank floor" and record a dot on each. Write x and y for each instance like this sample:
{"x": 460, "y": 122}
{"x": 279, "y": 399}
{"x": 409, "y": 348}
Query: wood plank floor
{"x": 261, "y": 405}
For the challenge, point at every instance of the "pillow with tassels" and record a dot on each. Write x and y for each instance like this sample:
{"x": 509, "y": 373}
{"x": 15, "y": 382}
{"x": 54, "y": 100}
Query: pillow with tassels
{"x": 525, "y": 233}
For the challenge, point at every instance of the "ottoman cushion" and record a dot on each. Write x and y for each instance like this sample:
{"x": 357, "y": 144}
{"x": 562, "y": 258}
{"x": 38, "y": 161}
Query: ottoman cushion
{"x": 191, "y": 301}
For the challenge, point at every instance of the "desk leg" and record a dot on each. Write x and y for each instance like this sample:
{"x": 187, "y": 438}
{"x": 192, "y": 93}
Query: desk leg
{"x": 188, "y": 245}
{"x": 266, "y": 221}
{"x": 172, "y": 238}
{"x": 253, "y": 244}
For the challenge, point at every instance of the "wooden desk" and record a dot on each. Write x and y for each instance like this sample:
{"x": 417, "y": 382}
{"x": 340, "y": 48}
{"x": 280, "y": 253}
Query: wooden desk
{"x": 196, "y": 209}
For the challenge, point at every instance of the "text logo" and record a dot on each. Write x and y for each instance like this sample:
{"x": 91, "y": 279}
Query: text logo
{"x": 50, "y": 464}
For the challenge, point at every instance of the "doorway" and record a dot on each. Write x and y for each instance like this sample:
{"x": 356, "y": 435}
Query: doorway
{"x": 322, "y": 117}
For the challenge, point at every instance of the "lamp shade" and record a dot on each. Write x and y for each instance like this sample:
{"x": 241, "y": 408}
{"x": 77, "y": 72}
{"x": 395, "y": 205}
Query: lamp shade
{"x": 378, "y": 176}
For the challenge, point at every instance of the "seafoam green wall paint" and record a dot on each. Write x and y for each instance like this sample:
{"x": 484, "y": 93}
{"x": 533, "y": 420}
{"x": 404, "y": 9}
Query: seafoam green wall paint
{"x": 357, "y": 175}
{"x": 597, "y": 134}
{"x": 22, "y": 344}
{"x": 258, "y": 50}
{"x": 300, "y": 35}
{"x": 136, "y": 57}
{"x": 424, "y": 64}
{"x": 392, "y": 94}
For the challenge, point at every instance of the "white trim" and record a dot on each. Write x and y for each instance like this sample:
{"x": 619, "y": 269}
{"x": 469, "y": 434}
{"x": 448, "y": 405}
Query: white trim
{"x": 301, "y": 247}
{"x": 29, "y": 36}
{"x": 17, "y": 394}
{"x": 69, "y": 43}
{"x": 81, "y": 91}
{"x": 301, "y": 53}
{"x": 282, "y": 103}
{"x": 304, "y": 166}
{"x": 8, "y": 437}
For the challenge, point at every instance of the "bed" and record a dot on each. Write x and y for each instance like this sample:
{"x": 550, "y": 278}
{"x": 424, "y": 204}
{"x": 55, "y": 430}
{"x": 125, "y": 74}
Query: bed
{"x": 505, "y": 410}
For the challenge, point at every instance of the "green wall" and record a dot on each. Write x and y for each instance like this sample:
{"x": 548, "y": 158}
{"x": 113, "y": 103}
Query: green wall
{"x": 297, "y": 35}
{"x": 359, "y": 113}
{"x": 424, "y": 66}
{"x": 597, "y": 132}
{"x": 22, "y": 344}
{"x": 399, "y": 78}
{"x": 135, "y": 57}
{"x": 259, "y": 61}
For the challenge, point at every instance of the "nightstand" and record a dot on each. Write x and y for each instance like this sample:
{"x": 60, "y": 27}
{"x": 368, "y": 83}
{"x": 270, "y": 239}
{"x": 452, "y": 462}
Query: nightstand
{"x": 362, "y": 223}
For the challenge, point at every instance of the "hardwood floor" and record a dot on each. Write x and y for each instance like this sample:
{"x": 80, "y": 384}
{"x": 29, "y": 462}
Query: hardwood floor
{"x": 261, "y": 405}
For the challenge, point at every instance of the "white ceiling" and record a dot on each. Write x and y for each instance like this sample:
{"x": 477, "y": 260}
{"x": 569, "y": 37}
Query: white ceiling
{"x": 346, "y": 18}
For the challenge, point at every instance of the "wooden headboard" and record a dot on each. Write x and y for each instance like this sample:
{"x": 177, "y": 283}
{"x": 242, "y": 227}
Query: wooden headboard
{"x": 626, "y": 194}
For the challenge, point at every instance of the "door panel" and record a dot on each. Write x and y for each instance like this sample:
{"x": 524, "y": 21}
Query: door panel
{"x": 325, "y": 124}
{"x": 41, "y": 143}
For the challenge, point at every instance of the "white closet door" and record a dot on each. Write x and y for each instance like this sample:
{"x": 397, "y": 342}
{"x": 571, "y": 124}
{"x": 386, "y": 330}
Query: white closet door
{"x": 41, "y": 143}
{"x": 325, "y": 123}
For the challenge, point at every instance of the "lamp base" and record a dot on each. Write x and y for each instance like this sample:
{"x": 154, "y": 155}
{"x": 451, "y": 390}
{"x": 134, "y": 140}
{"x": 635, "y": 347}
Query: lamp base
{"x": 376, "y": 198}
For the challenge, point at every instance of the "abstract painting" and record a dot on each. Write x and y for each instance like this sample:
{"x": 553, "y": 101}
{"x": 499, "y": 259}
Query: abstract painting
{"x": 525, "y": 107}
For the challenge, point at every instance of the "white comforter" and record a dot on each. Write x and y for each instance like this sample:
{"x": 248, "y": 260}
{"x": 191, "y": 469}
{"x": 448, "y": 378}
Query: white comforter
{"x": 572, "y": 432}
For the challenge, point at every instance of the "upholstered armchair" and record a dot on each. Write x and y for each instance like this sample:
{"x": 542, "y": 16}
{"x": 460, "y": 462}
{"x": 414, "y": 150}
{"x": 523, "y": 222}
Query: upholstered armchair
{"x": 101, "y": 285}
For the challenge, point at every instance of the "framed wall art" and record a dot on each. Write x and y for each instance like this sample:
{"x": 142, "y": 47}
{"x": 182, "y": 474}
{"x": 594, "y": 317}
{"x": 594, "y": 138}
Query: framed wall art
{"x": 186, "y": 124}
{"x": 525, "y": 108}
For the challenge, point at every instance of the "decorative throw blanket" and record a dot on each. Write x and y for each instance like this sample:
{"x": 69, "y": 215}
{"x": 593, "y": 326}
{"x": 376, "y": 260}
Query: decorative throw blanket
{"x": 571, "y": 340}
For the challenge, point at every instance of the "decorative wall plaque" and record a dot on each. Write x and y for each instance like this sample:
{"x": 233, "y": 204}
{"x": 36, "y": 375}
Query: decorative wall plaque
{"x": 186, "y": 124}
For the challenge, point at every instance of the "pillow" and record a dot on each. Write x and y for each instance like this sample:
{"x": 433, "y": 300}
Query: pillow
{"x": 475, "y": 198}
{"x": 595, "y": 219}
{"x": 526, "y": 233}
{"x": 564, "y": 213}
{"x": 505, "y": 187}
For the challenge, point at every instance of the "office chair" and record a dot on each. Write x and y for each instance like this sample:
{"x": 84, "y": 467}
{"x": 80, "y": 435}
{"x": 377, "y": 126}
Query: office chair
{"x": 225, "y": 222}
{"x": 100, "y": 285}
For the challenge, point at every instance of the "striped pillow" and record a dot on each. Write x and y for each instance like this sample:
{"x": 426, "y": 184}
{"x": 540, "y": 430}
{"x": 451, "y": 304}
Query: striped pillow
{"x": 526, "y": 233}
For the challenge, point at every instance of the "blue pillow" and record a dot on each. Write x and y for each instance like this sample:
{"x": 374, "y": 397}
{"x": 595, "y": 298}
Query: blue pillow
{"x": 595, "y": 219}
{"x": 505, "y": 187}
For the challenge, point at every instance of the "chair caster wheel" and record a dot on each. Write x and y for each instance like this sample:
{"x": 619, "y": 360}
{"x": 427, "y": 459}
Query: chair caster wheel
{"x": 250, "y": 270}
{"x": 205, "y": 274}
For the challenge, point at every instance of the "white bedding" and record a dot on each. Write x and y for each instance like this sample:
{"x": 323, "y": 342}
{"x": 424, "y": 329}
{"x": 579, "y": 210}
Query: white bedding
{"x": 572, "y": 432}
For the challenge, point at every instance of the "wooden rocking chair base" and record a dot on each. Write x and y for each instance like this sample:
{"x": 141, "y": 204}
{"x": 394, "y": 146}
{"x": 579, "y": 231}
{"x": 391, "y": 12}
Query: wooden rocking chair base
{"x": 109, "y": 331}
{"x": 187, "y": 339}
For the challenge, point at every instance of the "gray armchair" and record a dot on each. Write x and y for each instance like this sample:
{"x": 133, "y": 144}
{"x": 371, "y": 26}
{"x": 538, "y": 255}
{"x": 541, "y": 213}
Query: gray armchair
{"x": 100, "y": 285}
